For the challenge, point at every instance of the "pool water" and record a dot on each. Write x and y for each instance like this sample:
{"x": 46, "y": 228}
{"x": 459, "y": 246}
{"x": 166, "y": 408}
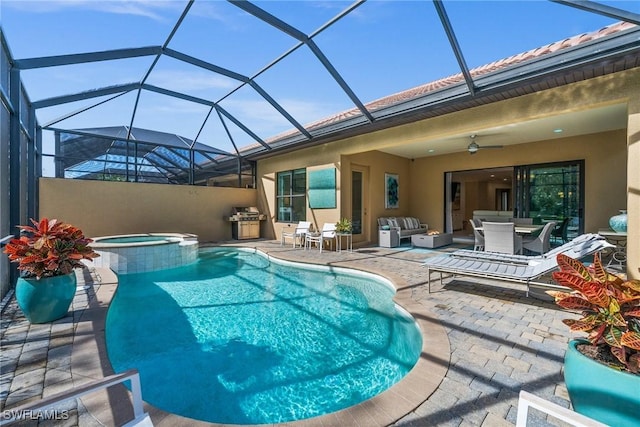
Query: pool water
{"x": 236, "y": 338}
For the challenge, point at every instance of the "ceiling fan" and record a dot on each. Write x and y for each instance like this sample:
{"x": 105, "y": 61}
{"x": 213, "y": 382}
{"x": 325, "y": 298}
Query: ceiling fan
{"x": 474, "y": 147}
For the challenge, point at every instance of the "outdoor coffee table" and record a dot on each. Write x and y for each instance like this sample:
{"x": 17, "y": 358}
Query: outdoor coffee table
{"x": 431, "y": 241}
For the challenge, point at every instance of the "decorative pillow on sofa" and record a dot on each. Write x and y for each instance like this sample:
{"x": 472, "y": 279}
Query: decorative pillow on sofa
{"x": 382, "y": 222}
{"x": 393, "y": 222}
{"x": 412, "y": 223}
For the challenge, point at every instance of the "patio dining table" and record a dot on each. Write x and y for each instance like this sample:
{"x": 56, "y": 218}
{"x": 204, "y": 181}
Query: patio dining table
{"x": 523, "y": 229}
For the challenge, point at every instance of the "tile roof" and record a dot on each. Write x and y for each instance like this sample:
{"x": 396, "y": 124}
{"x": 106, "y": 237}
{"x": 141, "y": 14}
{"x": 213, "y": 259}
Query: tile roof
{"x": 455, "y": 79}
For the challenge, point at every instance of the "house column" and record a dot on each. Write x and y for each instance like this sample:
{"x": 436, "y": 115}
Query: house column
{"x": 633, "y": 186}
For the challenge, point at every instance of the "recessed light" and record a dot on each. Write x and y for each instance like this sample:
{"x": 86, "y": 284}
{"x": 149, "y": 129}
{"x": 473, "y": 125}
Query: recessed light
{"x": 558, "y": 130}
{"x": 492, "y": 176}
{"x": 432, "y": 150}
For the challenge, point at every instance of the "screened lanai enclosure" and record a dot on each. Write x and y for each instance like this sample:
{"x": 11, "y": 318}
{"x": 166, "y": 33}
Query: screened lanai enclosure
{"x": 142, "y": 155}
{"x": 195, "y": 92}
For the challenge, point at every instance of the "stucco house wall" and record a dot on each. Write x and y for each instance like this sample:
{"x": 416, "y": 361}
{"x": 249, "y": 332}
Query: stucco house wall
{"x": 609, "y": 181}
{"x": 103, "y": 208}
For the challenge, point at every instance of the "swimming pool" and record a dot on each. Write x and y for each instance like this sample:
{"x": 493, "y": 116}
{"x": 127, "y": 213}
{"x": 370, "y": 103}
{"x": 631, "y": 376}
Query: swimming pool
{"x": 235, "y": 338}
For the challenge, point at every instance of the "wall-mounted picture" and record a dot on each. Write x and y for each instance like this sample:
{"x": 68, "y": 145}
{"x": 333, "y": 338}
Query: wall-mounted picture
{"x": 391, "y": 186}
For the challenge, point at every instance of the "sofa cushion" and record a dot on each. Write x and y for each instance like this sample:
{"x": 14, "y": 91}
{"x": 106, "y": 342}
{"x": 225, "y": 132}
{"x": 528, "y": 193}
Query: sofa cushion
{"x": 393, "y": 222}
{"x": 412, "y": 223}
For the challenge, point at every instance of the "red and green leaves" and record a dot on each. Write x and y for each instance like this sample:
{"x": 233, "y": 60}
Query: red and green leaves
{"x": 609, "y": 305}
{"x": 49, "y": 248}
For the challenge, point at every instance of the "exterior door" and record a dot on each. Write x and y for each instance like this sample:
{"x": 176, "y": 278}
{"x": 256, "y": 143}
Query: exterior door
{"x": 360, "y": 204}
{"x": 552, "y": 192}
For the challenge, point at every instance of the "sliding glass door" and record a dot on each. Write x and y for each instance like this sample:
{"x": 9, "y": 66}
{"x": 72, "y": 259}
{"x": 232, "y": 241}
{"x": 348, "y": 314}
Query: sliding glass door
{"x": 552, "y": 192}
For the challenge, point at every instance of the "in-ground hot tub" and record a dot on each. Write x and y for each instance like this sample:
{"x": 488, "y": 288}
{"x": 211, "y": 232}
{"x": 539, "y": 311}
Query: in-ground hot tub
{"x": 138, "y": 253}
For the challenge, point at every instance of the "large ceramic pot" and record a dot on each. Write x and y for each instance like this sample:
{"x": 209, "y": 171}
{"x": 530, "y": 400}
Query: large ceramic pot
{"x": 47, "y": 299}
{"x": 619, "y": 222}
{"x": 600, "y": 392}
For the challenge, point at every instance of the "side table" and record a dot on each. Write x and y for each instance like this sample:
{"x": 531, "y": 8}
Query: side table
{"x": 388, "y": 238}
{"x": 619, "y": 239}
{"x": 349, "y": 238}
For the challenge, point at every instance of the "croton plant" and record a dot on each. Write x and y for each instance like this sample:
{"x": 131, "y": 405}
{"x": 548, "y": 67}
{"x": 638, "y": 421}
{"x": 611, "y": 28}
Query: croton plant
{"x": 49, "y": 248}
{"x": 609, "y": 304}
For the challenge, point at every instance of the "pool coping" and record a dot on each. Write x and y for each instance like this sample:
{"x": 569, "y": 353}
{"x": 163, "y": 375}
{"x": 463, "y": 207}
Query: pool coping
{"x": 90, "y": 362}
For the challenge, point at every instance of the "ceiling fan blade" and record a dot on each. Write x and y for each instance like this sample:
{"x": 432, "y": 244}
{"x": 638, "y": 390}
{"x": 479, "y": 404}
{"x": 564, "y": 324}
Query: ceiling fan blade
{"x": 491, "y": 146}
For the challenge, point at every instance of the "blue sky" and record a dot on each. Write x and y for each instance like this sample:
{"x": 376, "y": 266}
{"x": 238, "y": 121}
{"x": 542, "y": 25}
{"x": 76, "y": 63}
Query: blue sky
{"x": 381, "y": 48}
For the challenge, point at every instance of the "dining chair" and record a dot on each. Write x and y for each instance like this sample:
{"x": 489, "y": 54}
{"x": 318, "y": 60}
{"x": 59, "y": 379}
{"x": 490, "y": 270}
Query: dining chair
{"x": 328, "y": 233}
{"x": 560, "y": 232}
{"x": 541, "y": 243}
{"x": 477, "y": 234}
{"x": 501, "y": 237}
{"x": 297, "y": 234}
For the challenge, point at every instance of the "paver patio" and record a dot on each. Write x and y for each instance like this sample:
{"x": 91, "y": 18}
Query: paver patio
{"x": 500, "y": 342}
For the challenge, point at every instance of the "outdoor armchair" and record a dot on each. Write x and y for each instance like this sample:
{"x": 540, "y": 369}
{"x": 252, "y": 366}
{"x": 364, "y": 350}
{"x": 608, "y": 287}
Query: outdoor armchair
{"x": 541, "y": 243}
{"x": 297, "y": 234}
{"x": 560, "y": 232}
{"x": 328, "y": 233}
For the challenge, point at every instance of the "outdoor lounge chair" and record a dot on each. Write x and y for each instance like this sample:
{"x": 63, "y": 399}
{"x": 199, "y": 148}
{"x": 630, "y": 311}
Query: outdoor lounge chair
{"x": 512, "y": 268}
{"x": 297, "y": 235}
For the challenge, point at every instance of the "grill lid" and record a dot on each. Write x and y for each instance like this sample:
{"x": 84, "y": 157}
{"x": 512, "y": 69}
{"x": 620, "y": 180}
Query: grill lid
{"x": 246, "y": 213}
{"x": 250, "y": 210}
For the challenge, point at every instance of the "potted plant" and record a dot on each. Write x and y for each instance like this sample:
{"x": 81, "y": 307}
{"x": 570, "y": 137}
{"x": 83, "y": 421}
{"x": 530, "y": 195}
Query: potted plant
{"x": 602, "y": 373}
{"x": 47, "y": 254}
{"x": 344, "y": 226}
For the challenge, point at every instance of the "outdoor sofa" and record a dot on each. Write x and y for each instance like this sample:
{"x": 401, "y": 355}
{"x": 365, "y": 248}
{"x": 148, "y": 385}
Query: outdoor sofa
{"x": 406, "y": 226}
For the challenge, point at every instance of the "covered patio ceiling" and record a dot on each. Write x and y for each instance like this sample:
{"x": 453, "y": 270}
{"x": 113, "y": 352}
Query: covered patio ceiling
{"x": 240, "y": 111}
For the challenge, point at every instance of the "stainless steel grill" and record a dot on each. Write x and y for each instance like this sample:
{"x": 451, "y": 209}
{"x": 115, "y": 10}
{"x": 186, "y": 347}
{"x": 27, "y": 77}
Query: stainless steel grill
{"x": 245, "y": 222}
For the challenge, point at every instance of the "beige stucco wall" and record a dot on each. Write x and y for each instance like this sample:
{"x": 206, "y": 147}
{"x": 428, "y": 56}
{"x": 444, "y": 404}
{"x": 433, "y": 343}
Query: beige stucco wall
{"x": 312, "y": 159}
{"x": 378, "y": 164}
{"x": 422, "y": 180}
{"x": 605, "y": 173}
{"x": 103, "y": 208}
